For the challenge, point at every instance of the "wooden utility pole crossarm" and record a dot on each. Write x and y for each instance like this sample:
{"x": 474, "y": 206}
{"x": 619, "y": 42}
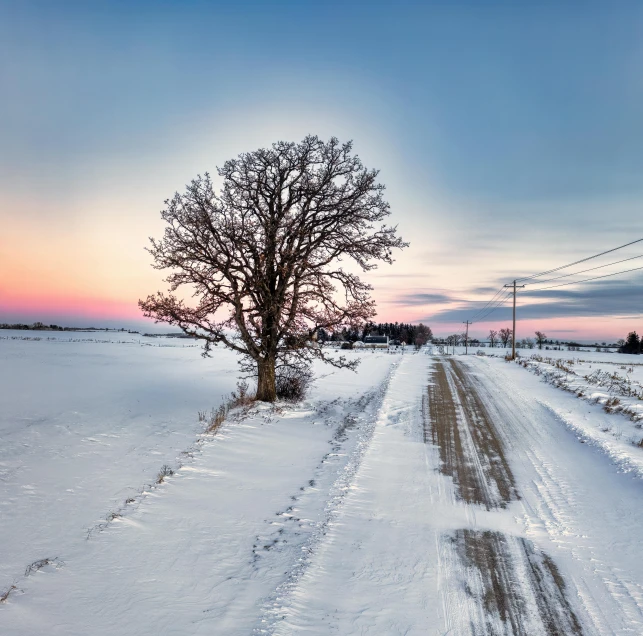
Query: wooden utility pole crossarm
{"x": 513, "y": 332}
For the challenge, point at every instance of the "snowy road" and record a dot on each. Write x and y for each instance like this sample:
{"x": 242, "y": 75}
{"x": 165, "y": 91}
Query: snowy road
{"x": 476, "y": 511}
{"x": 424, "y": 495}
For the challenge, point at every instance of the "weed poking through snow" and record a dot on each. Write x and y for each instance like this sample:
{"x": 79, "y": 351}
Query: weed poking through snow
{"x": 165, "y": 471}
{"x": 5, "y": 595}
{"x": 41, "y": 563}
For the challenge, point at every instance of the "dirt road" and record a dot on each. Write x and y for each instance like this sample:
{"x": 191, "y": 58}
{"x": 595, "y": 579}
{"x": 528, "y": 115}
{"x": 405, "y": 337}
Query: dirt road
{"x": 470, "y": 449}
{"x": 475, "y": 512}
{"x": 472, "y": 453}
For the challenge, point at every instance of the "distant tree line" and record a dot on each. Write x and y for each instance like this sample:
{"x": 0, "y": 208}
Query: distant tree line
{"x": 503, "y": 338}
{"x": 397, "y": 332}
{"x": 40, "y": 326}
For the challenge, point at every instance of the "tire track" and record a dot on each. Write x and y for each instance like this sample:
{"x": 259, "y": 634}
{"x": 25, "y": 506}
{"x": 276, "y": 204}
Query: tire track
{"x": 471, "y": 451}
{"x": 509, "y": 578}
{"x": 516, "y": 588}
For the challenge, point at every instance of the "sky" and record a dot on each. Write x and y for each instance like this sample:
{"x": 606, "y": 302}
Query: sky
{"x": 508, "y": 134}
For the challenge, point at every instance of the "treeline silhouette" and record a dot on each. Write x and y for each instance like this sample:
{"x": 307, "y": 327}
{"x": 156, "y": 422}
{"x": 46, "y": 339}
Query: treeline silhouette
{"x": 404, "y": 333}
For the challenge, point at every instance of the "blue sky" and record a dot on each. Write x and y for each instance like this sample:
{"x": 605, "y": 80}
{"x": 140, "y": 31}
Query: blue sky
{"x": 509, "y": 134}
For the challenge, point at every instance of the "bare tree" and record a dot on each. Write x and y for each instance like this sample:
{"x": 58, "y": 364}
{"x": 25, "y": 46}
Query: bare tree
{"x": 422, "y": 335}
{"x": 540, "y": 338}
{"x": 261, "y": 257}
{"x": 505, "y": 336}
{"x": 493, "y": 336}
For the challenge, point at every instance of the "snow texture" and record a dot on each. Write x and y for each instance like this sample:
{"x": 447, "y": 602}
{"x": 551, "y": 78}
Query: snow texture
{"x": 331, "y": 516}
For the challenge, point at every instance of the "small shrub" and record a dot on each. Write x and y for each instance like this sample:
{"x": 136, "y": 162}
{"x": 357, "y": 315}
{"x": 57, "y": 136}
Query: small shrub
{"x": 165, "y": 471}
{"x": 293, "y": 383}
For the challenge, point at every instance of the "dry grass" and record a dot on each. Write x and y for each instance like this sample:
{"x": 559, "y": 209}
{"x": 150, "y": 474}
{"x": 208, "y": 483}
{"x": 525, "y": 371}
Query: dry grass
{"x": 41, "y": 563}
{"x": 241, "y": 398}
{"x": 5, "y": 595}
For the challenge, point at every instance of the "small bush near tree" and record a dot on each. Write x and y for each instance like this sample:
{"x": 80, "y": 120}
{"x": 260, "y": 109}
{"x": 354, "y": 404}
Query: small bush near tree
{"x": 293, "y": 383}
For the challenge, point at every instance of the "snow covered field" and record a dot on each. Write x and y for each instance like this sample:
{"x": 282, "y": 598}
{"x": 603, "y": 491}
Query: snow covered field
{"x": 88, "y": 420}
{"x": 423, "y": 494}
{"x": 86, "y": 424}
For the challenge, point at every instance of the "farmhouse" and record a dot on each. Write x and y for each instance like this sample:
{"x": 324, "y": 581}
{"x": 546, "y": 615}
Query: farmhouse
{"x": 376, "y": 342}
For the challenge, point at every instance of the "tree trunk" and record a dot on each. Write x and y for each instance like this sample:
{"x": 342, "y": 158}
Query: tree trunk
{"x": 266, "y": 382}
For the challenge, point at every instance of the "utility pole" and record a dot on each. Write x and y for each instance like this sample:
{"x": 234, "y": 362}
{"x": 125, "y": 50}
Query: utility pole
{"x": 513, "y": 333}
{"x": 466, "y": 337}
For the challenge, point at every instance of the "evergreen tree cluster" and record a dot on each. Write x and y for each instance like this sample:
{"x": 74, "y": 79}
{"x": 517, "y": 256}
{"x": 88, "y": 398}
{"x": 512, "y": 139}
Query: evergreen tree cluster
{"x": 404, "y": 333}
{"x": 632, "y": 344}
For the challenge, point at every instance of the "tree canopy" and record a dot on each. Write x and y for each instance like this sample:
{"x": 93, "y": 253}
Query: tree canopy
{"x": 263, "y": 256}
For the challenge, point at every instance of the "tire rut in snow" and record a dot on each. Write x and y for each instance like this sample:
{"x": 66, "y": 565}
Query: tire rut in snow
{"x": 518, "y": 588}
{"x": 471, "y": 451}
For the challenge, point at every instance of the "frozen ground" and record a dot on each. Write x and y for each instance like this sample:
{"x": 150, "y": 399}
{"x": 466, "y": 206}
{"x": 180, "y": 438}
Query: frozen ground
{"x": 422, "y": 495}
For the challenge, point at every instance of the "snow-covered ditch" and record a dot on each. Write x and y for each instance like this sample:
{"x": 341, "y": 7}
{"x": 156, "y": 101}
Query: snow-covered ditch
{"x": 90, "y": 540}
{"x": 604, "y": 401}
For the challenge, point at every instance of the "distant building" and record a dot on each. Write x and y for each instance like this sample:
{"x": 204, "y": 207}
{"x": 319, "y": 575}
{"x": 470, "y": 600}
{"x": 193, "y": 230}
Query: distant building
{"x": 376, "y": 342}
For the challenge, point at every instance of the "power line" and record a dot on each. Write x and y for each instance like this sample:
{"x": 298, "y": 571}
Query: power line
{"x": 578, "y": 282}
{"x": 582, "y": 260}
{"x": 582, "y": 271}
{"x": 492, "y": 309}
{"x": 482, "y": 309}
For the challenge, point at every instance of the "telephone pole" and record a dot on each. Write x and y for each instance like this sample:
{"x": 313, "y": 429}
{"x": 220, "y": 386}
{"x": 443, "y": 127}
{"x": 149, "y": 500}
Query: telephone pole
{"x": 513, "y": 333}
{"x": 466, "y": 337}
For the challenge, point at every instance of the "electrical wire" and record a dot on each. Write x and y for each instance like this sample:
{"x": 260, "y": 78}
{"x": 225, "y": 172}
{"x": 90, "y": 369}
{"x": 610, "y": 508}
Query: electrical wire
{"x": 582, "y": 271}
{"x": 582, "y": 260}
{"x": 578, "y": 282}
{"x": 482, "y": 309}
{"x": 498, "y": 303}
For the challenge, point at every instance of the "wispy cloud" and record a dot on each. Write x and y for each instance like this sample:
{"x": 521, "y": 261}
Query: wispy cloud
{"x": 423, "y": 298}
{"x": 615, "y": 298}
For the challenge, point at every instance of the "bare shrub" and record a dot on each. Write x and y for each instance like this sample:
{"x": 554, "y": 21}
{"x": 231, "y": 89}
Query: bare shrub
{"x": 202, "y": 416}
{"x": 165, "y": 471}
{"x": 293, "y": 382}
